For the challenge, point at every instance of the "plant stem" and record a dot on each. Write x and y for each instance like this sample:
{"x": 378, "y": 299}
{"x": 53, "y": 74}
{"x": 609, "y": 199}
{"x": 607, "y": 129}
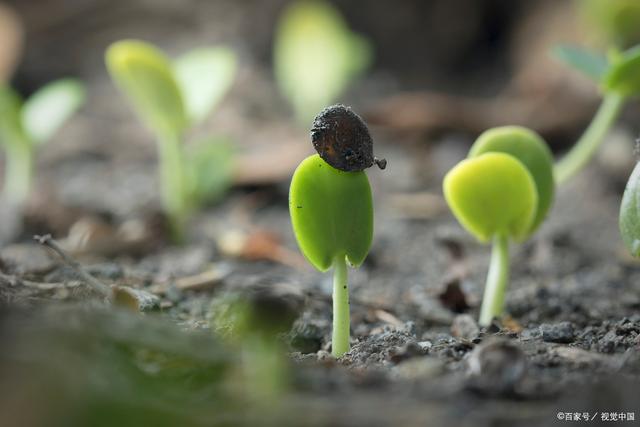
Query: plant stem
{"x": 497, "y": 280}
{"x": 265, "y": 370}
{"x": 18, "y": 171}
{"x": 340, "y": 338}
{"x": 172, "y": 183}
{"x": 591, "y": 139}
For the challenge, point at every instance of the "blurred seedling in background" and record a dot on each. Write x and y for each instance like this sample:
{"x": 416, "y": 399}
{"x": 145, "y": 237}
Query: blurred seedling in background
{"x": 252, "y": 321}
{"x": 316, "y": 56}
{"x": 25, "y": 125}
{"x": 629, "y": 220}
{"x": 332, "y": 209}
{"x": 501, "y": 192}
{"x": 617, "y": 74}
{"x": 171, "y": 98}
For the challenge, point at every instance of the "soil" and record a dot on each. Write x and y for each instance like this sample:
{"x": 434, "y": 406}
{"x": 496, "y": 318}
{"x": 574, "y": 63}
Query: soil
{"x": 569, "y": 345}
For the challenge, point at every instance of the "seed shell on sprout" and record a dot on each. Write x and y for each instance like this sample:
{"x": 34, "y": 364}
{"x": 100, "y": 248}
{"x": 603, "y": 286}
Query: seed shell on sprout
{"x": 342, "y": 139}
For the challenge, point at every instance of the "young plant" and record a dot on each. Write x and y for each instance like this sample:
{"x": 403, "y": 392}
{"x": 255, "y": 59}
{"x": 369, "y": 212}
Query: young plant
{"x": 171, "y": 98}
{"x": 502, "y": 191}
{"x": 316, "y": 56}
{"x": 332, "y": 209}
{"x": 629, "y": 221}
{"x": 252, "y": 321}
{"x": 26, "y": 125}
{"x": 619, "y": 79}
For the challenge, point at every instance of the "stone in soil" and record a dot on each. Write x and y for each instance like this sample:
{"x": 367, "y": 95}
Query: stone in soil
{"x": 562, "y": 332}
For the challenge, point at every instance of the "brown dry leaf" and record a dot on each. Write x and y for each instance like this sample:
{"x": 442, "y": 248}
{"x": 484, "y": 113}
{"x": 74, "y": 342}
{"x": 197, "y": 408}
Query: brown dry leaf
{"x": 260, "y": 245}
{"x": 386, "y": 317}
{"x": 198, "y": 282}
{"x": 92, "y": 235}
{"x": 511, "y": 324}
{"x": 270, "y": 164}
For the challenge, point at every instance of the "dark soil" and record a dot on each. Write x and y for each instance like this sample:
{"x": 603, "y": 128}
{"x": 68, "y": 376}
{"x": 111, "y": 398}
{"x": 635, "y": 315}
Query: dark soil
{"x": 569, "y": 344}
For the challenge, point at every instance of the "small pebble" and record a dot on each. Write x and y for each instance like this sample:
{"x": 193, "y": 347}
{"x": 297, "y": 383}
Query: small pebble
{"x": 496, "y": 367}
{"x": 465, "y": 327}
{"x": 562, "y": 332}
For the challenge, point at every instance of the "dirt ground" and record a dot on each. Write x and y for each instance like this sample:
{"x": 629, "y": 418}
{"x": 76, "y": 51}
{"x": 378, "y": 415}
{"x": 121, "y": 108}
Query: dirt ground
{"x": 570, "y": 344}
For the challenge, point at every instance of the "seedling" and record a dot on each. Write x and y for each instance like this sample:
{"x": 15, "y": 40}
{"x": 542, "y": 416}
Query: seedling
{"x": 26, "y": 125}
{"x": 619, "y": 79}
{"x": 171, "y": 98}
{"x": 252, "y": 320}
{"x": 316, "y": 56}
{"x": 502, "y": 191}
{"x": 630, "y": 213}
{"x": 332, "y": 209}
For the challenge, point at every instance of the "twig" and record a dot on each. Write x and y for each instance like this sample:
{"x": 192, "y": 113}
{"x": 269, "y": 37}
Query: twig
{"x": 48, "y": 241}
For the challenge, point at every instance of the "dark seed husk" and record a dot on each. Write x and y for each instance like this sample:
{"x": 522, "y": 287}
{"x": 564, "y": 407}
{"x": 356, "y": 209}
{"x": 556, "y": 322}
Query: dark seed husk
{"x": 342, "y": 139}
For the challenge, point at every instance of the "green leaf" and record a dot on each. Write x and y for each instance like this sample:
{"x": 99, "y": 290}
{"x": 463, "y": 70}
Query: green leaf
{"x": 492, "y": 193}
{"x": 331, "y": 212}
{"x": 50, "y": 107}
{"x": 530, "y": 149}
{"x": 209, "y": 170}
{"x": 316, "y": 56}
{"x": 205, "y": 76}
{"x": 144, "y": 74}
{"x": 630, "y": 213}
{"x": 11, "y": 129}
{"x": 592, "y": 64}
{"x": 623, "y": 76}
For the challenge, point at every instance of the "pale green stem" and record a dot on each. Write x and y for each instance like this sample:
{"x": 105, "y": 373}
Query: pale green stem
{"x": 497, "y": 281}
{"x": 18, "y": 171}
{"x": 341, "y": 323}
{"x": 265, "y": 370}
{"x": 590, "y": 140}
{"x": 172, "y": 183}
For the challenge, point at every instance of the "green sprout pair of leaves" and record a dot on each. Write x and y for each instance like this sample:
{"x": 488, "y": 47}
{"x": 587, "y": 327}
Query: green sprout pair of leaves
{"x": 618, "y": 76}
{"x": 502, "y": 191}
{"x": 171, "y": 98}
{"x": 27, "y": 124}
{"x": 332, "y": 216}
{"x": 316, "y": 56}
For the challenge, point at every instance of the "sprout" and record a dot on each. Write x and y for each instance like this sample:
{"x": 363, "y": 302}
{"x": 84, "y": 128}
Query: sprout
{"x": 25, "y": 125}
{"x": 170, "y": 98}
{"x": 630, "y": 213}
{"x": 502, "y": 191}
{"x": 332, "y": 210}
{"x": 618, "y": 77}
{"x": 316, "y": 56}
{"x": 252, "y": 320}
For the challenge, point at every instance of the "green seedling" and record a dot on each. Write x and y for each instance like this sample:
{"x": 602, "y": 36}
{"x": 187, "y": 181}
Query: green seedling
{"x": 171, "y": 98}
{"x": 25, "y": 125}
{"x": 316, "y": 56}
{"x": 618, "y": 76}
{"x": 332, "y": 216}
{"x": 502, "y": 191}
{"x": 630, "y": 213}
{"x": 252, "y": 321}
{"x": 331, "y": 205}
